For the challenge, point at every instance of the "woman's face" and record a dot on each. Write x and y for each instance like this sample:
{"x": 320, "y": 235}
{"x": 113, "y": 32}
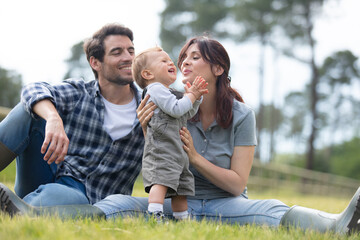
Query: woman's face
{"x": 194, "y": 65}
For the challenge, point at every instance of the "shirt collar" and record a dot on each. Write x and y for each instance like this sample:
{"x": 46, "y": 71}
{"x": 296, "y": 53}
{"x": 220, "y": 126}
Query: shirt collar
{"x": 96, "y": 88}
{"x": 137, "y": 93}
{"x": 198, "y": 125}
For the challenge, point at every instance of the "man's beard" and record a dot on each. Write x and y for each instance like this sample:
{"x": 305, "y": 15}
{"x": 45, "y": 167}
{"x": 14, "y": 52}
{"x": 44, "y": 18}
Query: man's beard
{"x": 113, "y": 76}
{"x": 120, "y": 80}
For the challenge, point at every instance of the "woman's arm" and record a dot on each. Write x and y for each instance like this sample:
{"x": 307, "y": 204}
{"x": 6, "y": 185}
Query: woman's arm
{"x": 233, "y": 180}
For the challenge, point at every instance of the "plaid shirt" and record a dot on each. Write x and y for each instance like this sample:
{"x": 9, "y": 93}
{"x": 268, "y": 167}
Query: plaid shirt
{"x": 104, "y": 166}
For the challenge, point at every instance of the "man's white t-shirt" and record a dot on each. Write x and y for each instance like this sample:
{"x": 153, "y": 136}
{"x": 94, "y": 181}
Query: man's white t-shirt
{"x": 119, "y": 119}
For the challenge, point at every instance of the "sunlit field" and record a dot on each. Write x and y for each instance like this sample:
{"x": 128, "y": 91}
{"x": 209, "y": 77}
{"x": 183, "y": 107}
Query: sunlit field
{"x": 22, "y": 227}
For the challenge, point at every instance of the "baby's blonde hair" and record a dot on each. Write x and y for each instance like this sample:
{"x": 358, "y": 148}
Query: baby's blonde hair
{"x": 140, "y": 63}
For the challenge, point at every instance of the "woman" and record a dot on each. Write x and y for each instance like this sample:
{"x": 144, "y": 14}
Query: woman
{"x": 220, "y": 142}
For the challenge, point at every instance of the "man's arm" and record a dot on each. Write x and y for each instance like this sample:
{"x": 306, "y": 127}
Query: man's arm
{"x": 56, "y": 142}
{"x": 39, "y": 99}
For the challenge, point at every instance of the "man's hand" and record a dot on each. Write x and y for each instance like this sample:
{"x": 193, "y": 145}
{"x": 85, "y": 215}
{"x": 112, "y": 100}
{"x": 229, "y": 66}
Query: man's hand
{"x": 56, "y": 142}
{"x": 145, "y": 112}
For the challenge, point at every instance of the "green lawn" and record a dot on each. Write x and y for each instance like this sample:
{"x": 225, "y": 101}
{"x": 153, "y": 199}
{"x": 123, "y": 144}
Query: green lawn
{"x": 137, "y": 228}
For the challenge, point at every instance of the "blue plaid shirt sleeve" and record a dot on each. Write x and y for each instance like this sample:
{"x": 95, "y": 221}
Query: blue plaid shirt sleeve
{"x": 64, "y": 95}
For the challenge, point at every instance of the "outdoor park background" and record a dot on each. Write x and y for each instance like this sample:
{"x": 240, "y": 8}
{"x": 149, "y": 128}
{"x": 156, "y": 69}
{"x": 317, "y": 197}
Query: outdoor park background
{"x": 296, "y": 66}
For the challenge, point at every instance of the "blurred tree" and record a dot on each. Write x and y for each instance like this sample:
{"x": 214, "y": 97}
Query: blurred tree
{"x": 297, "y": 113}
{"x": 339, "y": 76}
{"x": 273, "y": 120}
{"x": 10, "y": 87}
{"x": 258, "y": 20}
{"x": 188, "y": 18}
{"x": 296, "y": 109}
{"x": 77, "y": 64}
{"x": 338, "y": 106}
{"x": 285, "y": 25}
{"x": 298, "y": 24}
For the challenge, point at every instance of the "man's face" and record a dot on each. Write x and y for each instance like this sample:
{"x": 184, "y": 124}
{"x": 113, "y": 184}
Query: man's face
{"x": 116, "y": 65}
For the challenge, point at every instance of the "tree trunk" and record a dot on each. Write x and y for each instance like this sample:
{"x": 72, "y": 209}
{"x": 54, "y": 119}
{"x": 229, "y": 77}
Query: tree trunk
{"x": 260, "y": 119}
{"x": 274, "y": 104}
{"x": 313, "y": 93}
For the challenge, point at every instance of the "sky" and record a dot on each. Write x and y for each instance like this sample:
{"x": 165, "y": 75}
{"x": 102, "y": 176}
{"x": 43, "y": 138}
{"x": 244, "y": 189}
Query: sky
{"x": 37, "y": 35}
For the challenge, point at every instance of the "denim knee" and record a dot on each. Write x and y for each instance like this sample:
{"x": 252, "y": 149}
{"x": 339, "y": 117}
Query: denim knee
{"x": 119, "y": 205}
{"x": 52, "y": 194}
{"x": 15, "y": 128}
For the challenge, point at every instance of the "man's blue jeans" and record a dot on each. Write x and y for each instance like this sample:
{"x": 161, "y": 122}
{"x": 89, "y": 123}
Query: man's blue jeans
{"x": 35, "y": 178}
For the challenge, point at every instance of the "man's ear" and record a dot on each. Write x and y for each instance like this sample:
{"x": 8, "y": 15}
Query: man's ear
{"x": 95, "y": 63}
{"x": 147, "y": 74}
{"x": 218, "y": 70}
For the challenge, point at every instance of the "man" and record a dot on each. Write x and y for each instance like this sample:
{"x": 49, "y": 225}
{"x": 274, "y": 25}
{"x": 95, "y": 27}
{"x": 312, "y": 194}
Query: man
{"x": 77, "y": 142}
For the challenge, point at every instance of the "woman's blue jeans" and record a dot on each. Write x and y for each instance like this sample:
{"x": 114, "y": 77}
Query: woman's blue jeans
{"x": 234, "y": 210}
{"x": 36, "y": 183}
{"x": 35, "y": 179}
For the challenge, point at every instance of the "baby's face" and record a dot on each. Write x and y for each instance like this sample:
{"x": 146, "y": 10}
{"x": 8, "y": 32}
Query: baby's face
{"x": 162, "y": 67}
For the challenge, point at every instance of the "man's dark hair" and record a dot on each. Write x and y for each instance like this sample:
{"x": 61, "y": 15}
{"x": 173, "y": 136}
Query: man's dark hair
{"x": 94, "y": 46}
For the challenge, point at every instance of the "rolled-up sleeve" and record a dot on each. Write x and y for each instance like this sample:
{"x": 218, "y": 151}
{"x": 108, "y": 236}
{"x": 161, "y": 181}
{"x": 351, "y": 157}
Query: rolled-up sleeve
{"x": 62, "y": 95}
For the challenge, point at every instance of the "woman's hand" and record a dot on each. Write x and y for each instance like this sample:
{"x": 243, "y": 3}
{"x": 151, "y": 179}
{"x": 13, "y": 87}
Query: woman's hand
{"x": 145, "y": 112}
{"x": 232, "y": 180}
{"x": 188, "y": 144}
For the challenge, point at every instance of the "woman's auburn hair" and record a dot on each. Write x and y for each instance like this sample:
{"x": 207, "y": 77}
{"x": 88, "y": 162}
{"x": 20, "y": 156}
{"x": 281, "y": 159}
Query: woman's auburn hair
{"x": 215, "y": 54}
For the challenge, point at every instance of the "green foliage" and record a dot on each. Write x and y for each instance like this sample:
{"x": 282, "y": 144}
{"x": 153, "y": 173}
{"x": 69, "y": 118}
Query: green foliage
{"x": 341, "y": 159}
{"x": 339, "y": 73}
{"x": 183, "y": 19}
{"x": 345, "y": 159}
{"x": 297, "y": 20}
{"x": 297, "y": 160}
{"x": 321, "y": 164}
{"x": 77, "y": 64}
{"x": 297, "y": 23}
{"x": 295, "y": 110}
{"x": 257, "y": 18}
{"x": 337, "y": 108}
{"x": 273, "y": 118}
{"x": 340, "y": 69}
{"x": 10, "y": 88}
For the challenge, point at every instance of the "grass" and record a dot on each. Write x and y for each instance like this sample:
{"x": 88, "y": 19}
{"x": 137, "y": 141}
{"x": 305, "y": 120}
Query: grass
{"x": 22, "y": 227}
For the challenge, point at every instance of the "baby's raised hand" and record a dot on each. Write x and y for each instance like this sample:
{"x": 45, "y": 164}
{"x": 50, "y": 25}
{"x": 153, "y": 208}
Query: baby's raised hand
{"x": 198, "y": 88}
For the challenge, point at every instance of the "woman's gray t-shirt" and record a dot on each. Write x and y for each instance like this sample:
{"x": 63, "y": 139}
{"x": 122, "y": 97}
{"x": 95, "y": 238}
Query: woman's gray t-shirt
{"x": 217, "y": 144}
